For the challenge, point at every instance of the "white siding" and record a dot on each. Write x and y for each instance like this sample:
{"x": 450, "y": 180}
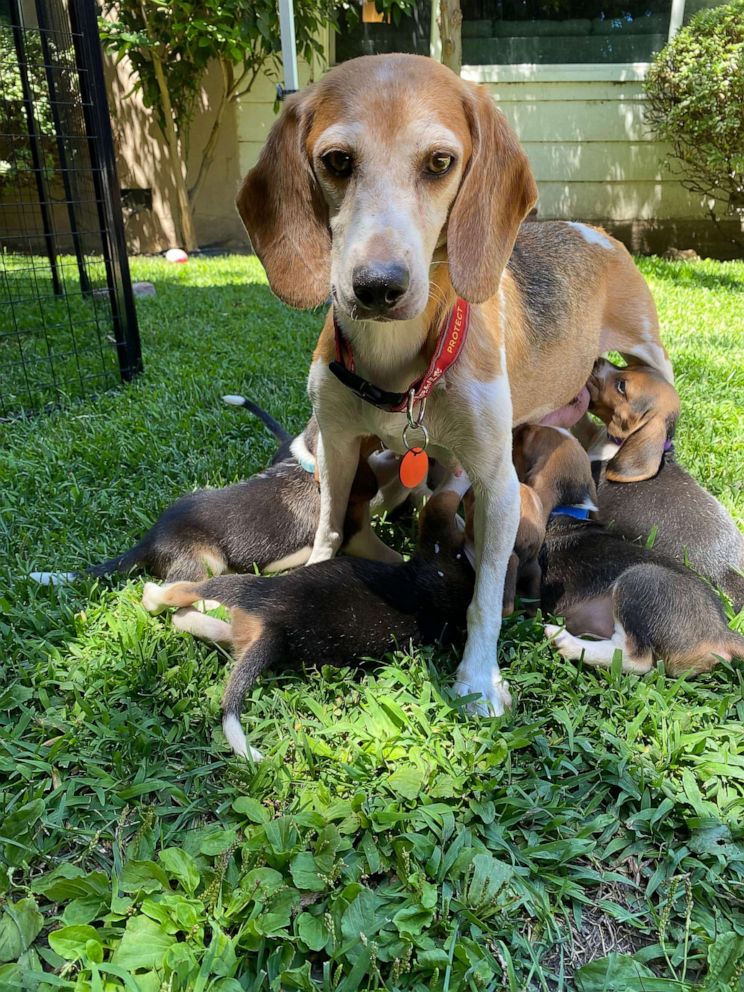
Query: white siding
{"x": 591, "y": 150}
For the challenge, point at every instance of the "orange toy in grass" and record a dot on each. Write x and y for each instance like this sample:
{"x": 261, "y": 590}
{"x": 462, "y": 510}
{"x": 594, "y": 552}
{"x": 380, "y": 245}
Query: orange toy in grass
{"x": 414, "y": 467}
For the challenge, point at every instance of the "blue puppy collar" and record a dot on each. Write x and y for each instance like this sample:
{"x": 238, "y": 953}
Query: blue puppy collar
{"x": 577, "y": 512}
{"x": 300, "y": 452}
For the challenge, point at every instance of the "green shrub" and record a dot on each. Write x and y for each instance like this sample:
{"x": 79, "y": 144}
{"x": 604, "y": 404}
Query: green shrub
{"x": 16, "y": 165}
{"x": 695, "y": 91}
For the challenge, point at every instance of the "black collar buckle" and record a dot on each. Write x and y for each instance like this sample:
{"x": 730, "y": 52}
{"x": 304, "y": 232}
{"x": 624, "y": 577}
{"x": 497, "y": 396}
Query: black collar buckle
{"x": 367, "y": 391}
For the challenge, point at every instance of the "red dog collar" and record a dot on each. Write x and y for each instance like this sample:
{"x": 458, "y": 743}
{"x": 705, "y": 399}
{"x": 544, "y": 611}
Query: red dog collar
{"x": 449, "y": 345}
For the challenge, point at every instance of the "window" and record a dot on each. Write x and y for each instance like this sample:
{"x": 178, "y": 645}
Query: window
{"x": 534, "y": 32}
{"x": 508, "y": 32}
{"x": 364, "y": 33}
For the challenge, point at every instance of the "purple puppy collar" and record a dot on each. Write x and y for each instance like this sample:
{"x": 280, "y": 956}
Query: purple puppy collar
{"x": 619, "y": 441}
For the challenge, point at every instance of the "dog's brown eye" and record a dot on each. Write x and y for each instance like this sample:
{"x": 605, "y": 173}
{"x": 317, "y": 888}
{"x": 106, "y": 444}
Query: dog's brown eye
{"x": 620, "y": 386}
{"x": 338, "y": 163}
{"x": 438, "y": 163}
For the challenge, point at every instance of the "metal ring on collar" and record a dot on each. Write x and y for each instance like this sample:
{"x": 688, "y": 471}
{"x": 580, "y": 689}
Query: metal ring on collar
{"x": 416, "y": 427}
{"x": 414, "y": 421}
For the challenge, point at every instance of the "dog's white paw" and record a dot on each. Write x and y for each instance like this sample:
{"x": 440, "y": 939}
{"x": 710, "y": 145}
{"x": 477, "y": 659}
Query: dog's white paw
{"x": 561, "y": 640}
{"x": 152, "y": 599}
{"x": 495, "y": 698}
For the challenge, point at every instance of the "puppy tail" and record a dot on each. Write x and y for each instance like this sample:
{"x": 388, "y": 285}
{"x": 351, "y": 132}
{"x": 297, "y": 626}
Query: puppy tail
{"x": 259, "y": 655}
{"x": 53, "y": 578}
{"x": 273, "y": 425}
{"x": 121, "y": 563}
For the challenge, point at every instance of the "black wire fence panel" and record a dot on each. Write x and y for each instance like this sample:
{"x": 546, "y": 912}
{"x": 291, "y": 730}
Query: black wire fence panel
{"x": 68, "y": 326}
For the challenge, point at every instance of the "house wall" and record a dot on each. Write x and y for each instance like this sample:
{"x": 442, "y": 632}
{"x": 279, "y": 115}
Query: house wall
{"x": 592, "y": 154}
{"x": 140, "y": 161}
{"x": 582, "y": 127}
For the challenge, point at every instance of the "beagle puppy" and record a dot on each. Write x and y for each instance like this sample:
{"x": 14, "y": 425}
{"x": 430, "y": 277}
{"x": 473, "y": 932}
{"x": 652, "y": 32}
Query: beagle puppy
{"x": 400, "y": 189}
{"x": 266, "y": 522}
{"x": 640, "y": 408}
{"x": 626, "y": 597}
{"x": 335, "y": 612}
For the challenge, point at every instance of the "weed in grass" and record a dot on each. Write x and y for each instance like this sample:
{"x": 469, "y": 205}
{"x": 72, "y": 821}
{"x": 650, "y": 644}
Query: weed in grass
{"x": 591, "y": 840}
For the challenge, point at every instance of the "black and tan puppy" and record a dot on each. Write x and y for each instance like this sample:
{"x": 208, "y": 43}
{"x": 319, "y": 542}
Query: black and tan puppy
{"x": 337, "y": 611}
{"x": 266, "y": 522}
{"x": 630, "y": 598}
{"x": 643, "y": 492}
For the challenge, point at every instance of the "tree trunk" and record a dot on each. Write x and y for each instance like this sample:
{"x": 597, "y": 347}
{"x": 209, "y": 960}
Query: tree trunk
{"x": 177, "y": 161}
{"x": 450, "y": 31}
{"x": 211, "y": 145}
{"x": 232, "y": 90}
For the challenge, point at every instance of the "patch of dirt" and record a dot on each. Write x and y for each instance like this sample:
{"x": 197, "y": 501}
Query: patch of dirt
{"x": 599, "y": 935}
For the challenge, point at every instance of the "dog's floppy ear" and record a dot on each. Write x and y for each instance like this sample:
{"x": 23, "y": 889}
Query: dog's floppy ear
{"x": 640, "y": 455}
{"x": 284, "y": 212}
{"x": 496, "y": 194}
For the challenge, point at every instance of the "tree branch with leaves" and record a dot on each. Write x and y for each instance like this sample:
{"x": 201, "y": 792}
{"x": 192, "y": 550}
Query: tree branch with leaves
{"x": 170, "y": 45}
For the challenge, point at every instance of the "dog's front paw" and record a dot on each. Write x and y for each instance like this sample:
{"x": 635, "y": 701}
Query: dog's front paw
{"x": 561, "y": 640}
{"x": 152, "y": 598}
{"x": 495, "y": 698}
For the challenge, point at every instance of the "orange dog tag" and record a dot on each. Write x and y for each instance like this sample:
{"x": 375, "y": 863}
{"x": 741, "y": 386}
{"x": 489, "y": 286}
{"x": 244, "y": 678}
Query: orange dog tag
{"x": 414, "y": 467}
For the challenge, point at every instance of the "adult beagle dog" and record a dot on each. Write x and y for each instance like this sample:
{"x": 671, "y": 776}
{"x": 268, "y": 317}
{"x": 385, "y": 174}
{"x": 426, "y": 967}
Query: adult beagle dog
{"x": 400, "y": 189}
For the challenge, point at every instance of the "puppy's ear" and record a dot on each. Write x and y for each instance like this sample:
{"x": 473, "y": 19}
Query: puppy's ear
{"x": 640, "y": 455}
{"x": 284, "y": 212}
{"x": 495, "y": 195}
{"x": 522, "y": 463}
{"x": 436, "y": 524}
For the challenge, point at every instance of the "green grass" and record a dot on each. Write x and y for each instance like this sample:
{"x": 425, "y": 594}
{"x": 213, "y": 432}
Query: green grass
{"x": 591, "y": 840}
{"x": 53, "y": 348}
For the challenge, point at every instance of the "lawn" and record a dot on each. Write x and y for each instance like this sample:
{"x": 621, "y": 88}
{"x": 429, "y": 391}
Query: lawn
{"x": 590, "y": 840}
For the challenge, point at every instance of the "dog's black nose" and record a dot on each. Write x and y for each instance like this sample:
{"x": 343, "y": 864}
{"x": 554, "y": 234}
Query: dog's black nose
{"x": 379, "y": 286}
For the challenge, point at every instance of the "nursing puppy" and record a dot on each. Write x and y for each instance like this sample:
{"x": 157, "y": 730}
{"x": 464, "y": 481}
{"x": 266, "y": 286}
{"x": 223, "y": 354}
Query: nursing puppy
{"x": 337, "y": 611}
{"x": 631, "y": 598}
{"x": 400, "y": 189}
{"x": 266, "y": 522}
{"x": 643, "y": 492}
